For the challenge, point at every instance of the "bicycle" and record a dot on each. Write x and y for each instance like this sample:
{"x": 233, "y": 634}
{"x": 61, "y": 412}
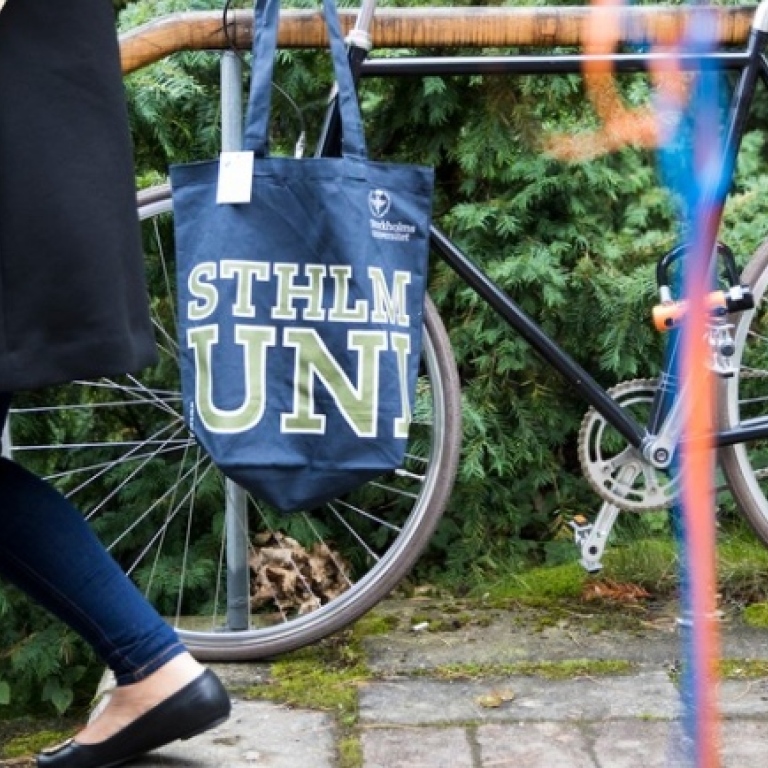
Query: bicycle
{"x": 299, "y": 594}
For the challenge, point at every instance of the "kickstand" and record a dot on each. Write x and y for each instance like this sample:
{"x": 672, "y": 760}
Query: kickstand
{"x": 592, "y": 537}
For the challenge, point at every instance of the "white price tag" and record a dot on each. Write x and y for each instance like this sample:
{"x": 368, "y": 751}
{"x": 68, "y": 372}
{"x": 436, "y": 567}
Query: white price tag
{"x": 235, "y": 177}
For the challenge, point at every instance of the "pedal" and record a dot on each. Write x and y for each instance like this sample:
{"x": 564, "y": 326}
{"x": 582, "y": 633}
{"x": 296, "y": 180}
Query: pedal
{"x": 581, "y": 529}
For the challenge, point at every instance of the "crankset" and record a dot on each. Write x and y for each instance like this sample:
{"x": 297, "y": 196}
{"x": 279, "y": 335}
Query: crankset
{"x": 618, "y": 472}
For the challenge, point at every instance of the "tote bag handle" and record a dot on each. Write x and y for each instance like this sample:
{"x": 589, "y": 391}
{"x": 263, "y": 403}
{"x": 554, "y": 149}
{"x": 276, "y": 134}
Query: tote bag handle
{"x": 267, "y": 16}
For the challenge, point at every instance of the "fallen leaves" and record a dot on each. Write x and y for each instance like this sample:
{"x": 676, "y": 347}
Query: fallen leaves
{"x": 607, "y": 589}
{"x": 292, "y": 578}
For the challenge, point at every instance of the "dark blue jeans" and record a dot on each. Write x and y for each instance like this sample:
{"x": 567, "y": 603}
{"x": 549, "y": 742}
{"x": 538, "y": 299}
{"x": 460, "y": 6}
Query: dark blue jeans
{"x": 48, "y": 551}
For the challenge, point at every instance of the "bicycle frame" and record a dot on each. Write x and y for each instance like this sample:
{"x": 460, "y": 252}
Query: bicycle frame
{"x": 751, "y": 64}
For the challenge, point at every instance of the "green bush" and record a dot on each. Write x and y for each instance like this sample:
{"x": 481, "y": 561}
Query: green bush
{"x": 574, "y": 244}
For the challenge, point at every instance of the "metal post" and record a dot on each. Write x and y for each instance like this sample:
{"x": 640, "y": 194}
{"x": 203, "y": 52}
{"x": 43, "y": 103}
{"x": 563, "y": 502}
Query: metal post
{"x": 5, "y": 443}
{"x": 231, "y": 102}
{"x": 238, "y": 572}
{"x": 236, "y": 511}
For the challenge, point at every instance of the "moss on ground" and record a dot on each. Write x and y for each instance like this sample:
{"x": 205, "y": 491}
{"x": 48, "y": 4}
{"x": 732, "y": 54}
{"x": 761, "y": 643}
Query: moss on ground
{"x": 447, "y": 619}
{"x": 743, "y": 669}
{"x": 325, "y": 676}
{"x": 28, "y": 744}
{"x": 350, "y": 751}
{"x": 374, "y": 623}
{"x": 538, "y": 585}
{"x": 756, "y": 615}
{"x": 22, "y": 739}
{"x": 316, "y": 679}
{"x": 550, "y": 670}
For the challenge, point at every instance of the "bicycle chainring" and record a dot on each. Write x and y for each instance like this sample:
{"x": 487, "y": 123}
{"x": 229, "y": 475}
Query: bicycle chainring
{"x": 616, "y": 471}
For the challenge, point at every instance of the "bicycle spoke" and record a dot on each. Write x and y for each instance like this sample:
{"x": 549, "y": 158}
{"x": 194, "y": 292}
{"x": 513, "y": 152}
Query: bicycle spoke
{"x": 187, "y": 541}
{"x": 368, "y": 515}
{"x": 160, "y": 499}
{"x": 360, "y": 540}
{"x": 124, "y": 459}
{"x": 171, "y": 516}
{"x": 119, "y": 486}
{"x": 394, "y": 489}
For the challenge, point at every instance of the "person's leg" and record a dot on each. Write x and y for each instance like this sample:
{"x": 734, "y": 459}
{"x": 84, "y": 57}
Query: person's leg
{"x": 48, "y": 551}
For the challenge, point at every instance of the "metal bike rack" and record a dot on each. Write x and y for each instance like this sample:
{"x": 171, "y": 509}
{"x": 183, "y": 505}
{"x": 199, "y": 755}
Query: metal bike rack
{"x": 236, "y": 505}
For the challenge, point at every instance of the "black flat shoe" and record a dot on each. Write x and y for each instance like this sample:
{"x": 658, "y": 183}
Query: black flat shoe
{"x": 197, "y": 707}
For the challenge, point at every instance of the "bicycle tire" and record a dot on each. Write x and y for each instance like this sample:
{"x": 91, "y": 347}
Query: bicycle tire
{"x": 743, "y": 397}
{"x": 183, "y": 537}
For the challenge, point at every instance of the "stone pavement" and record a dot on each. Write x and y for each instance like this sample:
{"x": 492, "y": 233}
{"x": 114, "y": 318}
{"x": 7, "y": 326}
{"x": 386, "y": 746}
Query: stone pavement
{"x": 422, "y": 721}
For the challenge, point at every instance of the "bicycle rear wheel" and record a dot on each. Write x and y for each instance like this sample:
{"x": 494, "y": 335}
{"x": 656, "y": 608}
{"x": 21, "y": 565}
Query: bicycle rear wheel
{"x": 235, "y": 578}
{"x": 743, "y": 399}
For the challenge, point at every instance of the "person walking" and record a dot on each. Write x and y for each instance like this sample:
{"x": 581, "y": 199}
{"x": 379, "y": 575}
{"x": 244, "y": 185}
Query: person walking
{"x": 73, "y": 304}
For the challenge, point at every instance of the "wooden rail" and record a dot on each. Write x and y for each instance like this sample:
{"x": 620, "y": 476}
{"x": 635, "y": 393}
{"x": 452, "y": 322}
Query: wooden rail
{"x": 419, "y": 28}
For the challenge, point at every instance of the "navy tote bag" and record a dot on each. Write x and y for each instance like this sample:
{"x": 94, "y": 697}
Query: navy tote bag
{"x": 300, "y": 311}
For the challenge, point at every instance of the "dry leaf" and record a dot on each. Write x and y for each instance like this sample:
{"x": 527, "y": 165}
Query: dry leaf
{"x": 495, "y": 699}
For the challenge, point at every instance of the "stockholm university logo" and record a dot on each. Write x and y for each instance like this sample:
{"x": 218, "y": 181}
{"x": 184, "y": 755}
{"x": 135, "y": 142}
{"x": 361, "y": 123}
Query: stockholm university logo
{"x": 379, "y": 202}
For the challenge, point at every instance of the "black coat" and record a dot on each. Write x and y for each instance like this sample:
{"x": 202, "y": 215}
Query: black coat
{"x": 72, "y": 295}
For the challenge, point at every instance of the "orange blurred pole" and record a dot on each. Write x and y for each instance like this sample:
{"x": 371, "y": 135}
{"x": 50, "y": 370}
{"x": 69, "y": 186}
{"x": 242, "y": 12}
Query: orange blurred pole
{"x": 697, "y": 472}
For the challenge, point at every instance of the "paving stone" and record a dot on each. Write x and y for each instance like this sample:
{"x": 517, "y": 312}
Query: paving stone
{"x": 745, "y": 743}
{"x": 534, "y": 745}
{"x": 501, "y": 643}
{"x": 258, "y": 734}
{"x": 241, "y": 675}
{"x": 416, "y": 748}
{"x": 743, "y": 698}
{"x": 407, "y": 722}
{"x": 504, "y": 640}
{"x": 638, "y": 744}
{"x": 425, "y": 702}
{"x": 613, "y": 744}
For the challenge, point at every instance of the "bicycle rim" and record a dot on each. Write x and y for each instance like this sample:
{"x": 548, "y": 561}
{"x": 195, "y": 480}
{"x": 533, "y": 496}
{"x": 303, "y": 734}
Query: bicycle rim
{"x": 743, "y": 399}
{"x": 248, "y": 582}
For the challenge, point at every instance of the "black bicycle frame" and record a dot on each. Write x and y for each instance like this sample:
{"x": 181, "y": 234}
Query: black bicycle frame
{"x": 750, "y": 63}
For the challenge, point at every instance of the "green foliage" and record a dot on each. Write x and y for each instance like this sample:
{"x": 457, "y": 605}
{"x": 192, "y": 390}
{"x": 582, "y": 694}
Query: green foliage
{"x": 43, "y": 667}
{"x": 174, "y": 104}
{"x": 571, "y": 244}
{"x": 575, "y": 245}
